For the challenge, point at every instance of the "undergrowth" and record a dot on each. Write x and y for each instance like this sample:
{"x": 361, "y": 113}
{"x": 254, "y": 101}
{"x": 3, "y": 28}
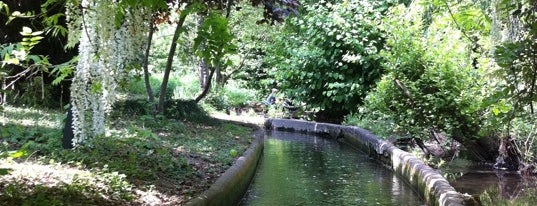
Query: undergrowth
{"x": 165, "y": 154}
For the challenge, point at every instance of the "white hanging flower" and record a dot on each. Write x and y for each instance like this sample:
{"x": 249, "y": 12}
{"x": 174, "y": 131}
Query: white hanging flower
{"x": 104, "y": 52}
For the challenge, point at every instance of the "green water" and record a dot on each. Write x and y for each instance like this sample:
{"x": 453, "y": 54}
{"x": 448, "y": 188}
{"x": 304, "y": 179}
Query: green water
{"x": 298, "y": 169}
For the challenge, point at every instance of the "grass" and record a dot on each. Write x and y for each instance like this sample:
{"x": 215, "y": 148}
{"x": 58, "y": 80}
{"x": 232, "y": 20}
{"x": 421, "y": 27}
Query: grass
{"x": 141, "y": 160}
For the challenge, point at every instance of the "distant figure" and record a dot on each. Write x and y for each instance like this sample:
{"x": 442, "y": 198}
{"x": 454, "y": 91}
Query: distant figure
{"x": 271, "y": 99}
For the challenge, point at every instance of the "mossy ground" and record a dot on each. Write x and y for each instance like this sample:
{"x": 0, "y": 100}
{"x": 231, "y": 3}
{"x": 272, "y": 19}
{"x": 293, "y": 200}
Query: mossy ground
{"x": 141, "y": 160}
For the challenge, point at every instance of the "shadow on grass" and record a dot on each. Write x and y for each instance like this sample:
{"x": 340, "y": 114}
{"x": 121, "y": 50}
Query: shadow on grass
{"x": 162, "y": 154}
{"x": 27, "y": 194}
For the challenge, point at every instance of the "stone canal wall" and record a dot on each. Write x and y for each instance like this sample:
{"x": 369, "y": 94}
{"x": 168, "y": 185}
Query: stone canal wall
{"x": 432, "y": 186}
{"x": 233, "y": 184}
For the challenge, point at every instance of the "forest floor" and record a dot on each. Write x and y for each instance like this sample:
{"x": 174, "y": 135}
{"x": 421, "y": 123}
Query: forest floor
{"x": 141, "y": 160}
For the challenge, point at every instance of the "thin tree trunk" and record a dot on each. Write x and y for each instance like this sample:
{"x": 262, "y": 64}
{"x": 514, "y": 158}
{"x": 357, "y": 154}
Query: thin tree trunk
{"x": 145, "y": 65}
{"x": 42, "y": 86}
{"x": 218, "y": 78}
{"x": 228, "y": 8}
{"x": 203, "y": 71}
{"x": 173, "y": 47}
{"x": 206, "y": 89}
{"x": 203, "y": 74}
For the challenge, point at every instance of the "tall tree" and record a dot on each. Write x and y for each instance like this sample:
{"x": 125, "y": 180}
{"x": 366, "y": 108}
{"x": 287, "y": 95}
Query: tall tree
{"x": 145, "y": 63}
{"x": 215, "y": 36}
{"x": 108, "y": 47}
{"x": 274, "y": 11}
{"x": 169, "y": 62}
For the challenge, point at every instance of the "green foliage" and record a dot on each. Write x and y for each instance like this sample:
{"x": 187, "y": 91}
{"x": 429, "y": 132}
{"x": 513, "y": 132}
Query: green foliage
{"x": 182, "y": 110}
{"x": 64, "y": 70}
{"x": 19, "y": 53}
{"x": 18, "y": 61}
{"x": 251, "y": 39}
{"x": 136, "y": 86}
{"x": 233, "y": 153}
{"x": 131, "y": 108}
{"x": 187, "y": 110}
{"x": 516, "y": 56}
{"x": 181, "y": 85}
{"x": 4, "y": 7}
{"x": 239, "y": 97}
{"x": 329, "y": 57}
{"x": 23, "y": 54}
{"x": 124, "y": 5}
{"x": 231, "y": 96}
{"x": 85, "y": 189}
{"x": 524, "y": 129}
{"x": 513, "y": 101}
{"x": 217, "y": 100}
{"x": 378, "y": 123}
{"x": 430, "y": 81}
{"x": 216, "y": 38}
{"x": 136, "y": 152}
{"x": 123, "y": 155}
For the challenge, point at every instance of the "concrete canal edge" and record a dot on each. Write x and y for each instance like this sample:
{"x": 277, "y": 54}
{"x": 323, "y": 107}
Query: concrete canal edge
{"x": 430, "y": 184}
{"x": 233, "y": 184}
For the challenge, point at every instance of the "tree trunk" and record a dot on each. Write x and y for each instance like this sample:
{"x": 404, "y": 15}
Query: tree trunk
{"x": 228, "y": 8}
{"x": 171, "y": 54}
{"x": 203, "y": 74}
{"x": 219, "y": 77}
{"x": 203, "y": 71}
{"x": 206, "y": 89}
{"x": 150, "y": 96}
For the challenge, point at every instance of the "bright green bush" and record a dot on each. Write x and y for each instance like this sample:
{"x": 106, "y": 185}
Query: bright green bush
{"x": 329, "y": 56}
{"x": 136, "y": 86}
{"x": 430, "y": 80}
{"x": 232, "y": 95}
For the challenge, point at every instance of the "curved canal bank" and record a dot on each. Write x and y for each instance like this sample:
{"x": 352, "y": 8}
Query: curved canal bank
{"x": 432, "y": 186}
{"x": 233, "y": 184}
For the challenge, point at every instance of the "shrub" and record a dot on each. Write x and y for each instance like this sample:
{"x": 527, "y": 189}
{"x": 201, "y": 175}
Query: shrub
{"x": 430, "y": 81}
{"x": 329, "y": 57}
{"x": 136, "y": 86}
{"x": 230, "y": 96}
{"x": 187, "y": 110}
{"x": 239, "y": 97}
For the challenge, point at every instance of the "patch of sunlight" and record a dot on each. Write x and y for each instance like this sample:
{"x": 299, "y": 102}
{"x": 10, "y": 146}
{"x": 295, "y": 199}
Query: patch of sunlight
{"x": 30, "y": 117}
{"x": 102, "y": 181}
{"x": 253, "y": 119}
{"x": 50, "y": 175}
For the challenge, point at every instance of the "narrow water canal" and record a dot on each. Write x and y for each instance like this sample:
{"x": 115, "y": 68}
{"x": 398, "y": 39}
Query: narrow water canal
{"x": 298, "y": 169}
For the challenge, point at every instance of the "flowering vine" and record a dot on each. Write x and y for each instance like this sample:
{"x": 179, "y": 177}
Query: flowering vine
{"x": 111, "y": 38}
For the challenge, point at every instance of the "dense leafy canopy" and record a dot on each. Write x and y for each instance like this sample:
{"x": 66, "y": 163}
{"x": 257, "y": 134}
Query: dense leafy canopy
{"x": 430, "y": 81}
{"x": 329, "y": 57}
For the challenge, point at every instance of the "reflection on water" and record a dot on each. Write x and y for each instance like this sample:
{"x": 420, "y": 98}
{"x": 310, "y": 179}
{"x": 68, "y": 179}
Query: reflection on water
{"x": 508, "y": 184}
{"x": 298, "y": 169}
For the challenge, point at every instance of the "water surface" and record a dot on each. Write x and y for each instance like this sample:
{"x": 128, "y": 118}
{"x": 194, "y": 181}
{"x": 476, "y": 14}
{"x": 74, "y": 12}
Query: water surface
{"x": 508, "y": 185}
{"x": 298, "y": 169}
